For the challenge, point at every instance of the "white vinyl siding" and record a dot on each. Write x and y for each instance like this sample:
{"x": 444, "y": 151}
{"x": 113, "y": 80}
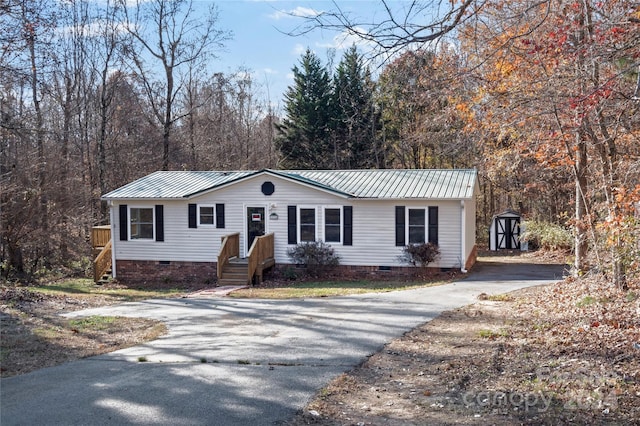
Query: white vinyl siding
{"x": 373, "y": 225}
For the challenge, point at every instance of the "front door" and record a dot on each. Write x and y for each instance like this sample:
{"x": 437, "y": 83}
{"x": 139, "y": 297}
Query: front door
{"x": 255, "y": 224}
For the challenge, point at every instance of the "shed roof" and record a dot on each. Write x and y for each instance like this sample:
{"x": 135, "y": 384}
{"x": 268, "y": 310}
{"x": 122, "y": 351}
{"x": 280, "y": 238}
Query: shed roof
{"x": 366, "y": 184}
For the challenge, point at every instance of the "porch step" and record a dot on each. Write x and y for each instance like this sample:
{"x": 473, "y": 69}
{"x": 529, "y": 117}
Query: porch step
{"x": 232, "y": 281}
{"x": 234, "y": 273}
{"x": 104, "y": 279}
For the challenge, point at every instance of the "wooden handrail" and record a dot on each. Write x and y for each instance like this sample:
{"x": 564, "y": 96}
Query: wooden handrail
{"x": 261, "y": 250}
{"x": 229, "y": 248}
{"x": 102, "y": 262}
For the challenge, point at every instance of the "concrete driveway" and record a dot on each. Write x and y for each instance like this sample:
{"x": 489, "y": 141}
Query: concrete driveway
{"x": 264, "y": 359}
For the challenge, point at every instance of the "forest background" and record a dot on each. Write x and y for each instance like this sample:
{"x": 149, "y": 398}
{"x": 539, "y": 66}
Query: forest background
{"x": 542, "y": 97}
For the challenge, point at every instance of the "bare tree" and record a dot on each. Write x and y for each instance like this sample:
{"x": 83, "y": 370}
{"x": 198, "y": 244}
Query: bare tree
{"x": 172, "y": 36}
{"x": 402, "y": 25}
{"x": 107, "y": 42}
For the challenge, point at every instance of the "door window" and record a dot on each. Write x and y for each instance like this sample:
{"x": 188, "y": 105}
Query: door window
{"x": 255, "y": 224}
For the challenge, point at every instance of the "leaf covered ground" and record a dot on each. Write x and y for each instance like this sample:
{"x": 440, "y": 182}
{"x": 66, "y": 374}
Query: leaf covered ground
{"x": 33, "y": 335}
{"x": 565, "y": 353}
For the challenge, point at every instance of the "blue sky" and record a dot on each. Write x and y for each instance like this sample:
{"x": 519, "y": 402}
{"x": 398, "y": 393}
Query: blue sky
{"x": 260, "y": 44}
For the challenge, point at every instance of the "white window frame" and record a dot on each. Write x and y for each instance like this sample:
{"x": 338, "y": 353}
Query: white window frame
{"x": 299, "y": 223}
{"x": 424, "y": 225}
{"x": 153, "y": 223}
{"x": 213, "y": 206}
{"x": 340, "y": 225}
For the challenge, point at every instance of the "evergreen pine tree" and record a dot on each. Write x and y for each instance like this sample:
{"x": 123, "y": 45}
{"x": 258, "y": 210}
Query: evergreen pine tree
{"x": 304, "y": 134}
{"x": 354, "y": 126}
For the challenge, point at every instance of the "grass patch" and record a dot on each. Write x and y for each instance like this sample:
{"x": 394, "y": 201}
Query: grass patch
{"x": 491, "y": 334}
{"x": 586, "y": 301}
{"x": 48, "y": 332}
{"x": 87, "y": 288}
{"x": 504, "y": 297}
{"x": 331, "y": 288}
{"x": 93, "y": 323}
{"x": 142, "y": 359}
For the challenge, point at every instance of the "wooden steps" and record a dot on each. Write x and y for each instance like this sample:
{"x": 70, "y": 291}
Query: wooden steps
{"x": 105, "y": 278}
{"x": 234, "y": 273}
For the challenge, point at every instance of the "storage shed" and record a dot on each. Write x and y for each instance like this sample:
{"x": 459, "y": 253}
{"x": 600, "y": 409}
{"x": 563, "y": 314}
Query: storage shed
{"x": 505, "y": 230}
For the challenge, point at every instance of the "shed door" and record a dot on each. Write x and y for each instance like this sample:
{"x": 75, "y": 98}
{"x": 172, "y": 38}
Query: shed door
{"x": 508, "y": 233}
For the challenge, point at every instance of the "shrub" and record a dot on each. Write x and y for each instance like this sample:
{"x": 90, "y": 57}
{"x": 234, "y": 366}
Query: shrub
{"x": 315, "y": 256}
{"x": 420, "y": 254}
{"x": 545, "y": 235}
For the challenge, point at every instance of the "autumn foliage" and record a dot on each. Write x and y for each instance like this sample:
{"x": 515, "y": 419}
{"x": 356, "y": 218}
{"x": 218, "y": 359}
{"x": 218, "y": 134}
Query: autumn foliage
{"x": 557, "y": 93}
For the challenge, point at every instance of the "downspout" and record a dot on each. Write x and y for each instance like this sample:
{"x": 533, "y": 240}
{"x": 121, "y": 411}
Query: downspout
{"x": 463, "y": 239}
{"x": 113, "y": 240}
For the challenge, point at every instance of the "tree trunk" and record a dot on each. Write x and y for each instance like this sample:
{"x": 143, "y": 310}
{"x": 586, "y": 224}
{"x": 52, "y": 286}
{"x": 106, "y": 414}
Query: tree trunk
{"x": 581, "y": 226}
{"x": 31, "y": 42}
{"x": 166, "y": 125}
{"x": 105, "y": 101}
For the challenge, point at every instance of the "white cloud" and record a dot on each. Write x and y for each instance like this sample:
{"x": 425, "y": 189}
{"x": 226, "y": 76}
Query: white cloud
{"x": 270, "y": 71}
{"x": 298, "y": 12}
{"x": 346, "y": 39}
{"x": 299, "y": 49}
{"x": 96, "y": 28}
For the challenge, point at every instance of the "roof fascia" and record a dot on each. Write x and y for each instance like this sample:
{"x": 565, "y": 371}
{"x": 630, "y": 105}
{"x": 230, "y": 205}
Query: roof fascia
{"x": 308, "y": 183}
{"x": 222, "y": 185}
{"x": 273, "y": 173}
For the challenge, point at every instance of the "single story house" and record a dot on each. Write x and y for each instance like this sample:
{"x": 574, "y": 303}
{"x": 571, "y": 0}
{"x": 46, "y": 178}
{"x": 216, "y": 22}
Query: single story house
{"x": 175, "y": 225}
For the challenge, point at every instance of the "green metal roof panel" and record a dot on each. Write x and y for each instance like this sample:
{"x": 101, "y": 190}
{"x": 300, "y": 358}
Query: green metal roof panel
{"x": 368, "y": 184}
{"x": 397, "y": 184}
{"x": 174, "y": 184}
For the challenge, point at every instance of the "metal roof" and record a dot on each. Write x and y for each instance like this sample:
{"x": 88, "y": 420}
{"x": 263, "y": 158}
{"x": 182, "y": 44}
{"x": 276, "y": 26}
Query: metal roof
{"x": 367, "y": 184}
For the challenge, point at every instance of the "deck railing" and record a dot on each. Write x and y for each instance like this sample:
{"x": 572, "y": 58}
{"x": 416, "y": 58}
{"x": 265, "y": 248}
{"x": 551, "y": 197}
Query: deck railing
{"x": 100, "y": 236}
{"x": 102, "y": 262}
{"x": 261, "y": 250}
{"x": 229, "y": 248}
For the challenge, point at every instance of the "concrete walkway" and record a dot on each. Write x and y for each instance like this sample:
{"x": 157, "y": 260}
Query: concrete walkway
{"x": 238, "y": 362}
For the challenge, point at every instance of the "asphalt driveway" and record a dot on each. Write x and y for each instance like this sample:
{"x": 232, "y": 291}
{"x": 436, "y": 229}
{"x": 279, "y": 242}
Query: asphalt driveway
{"x": 238, "y": 362}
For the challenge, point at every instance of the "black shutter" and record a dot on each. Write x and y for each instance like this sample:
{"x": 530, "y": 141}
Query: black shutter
{"x": 292, "y": 225}
{"x": 159, "y": 222}
{"x": 124, "y": 223}
{"x": 433, "y": 225}
{"x": 400, "y": 226}
{"x": 347, "y": 213}
{"x": 193, "y": 211}
{"x": 219, "y": 215}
